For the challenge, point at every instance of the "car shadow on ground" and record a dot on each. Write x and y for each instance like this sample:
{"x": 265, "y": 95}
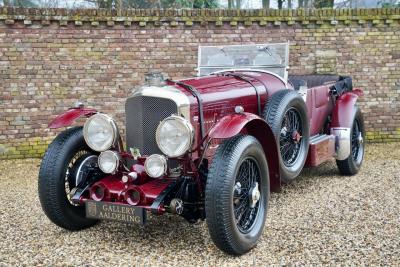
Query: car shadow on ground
{"x": 176, "y": 233}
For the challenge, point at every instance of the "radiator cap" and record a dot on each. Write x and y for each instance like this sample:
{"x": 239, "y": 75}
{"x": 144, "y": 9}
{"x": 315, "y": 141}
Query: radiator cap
{"x": 154, "y": 78}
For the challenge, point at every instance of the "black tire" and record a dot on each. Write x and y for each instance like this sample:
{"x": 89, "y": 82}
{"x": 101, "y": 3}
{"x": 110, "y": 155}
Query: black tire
{"x": 292, "y": 149}
{"x": 225, "y": 198}
{"x": 69, "y": 145}
{"x": 352, "y": 164}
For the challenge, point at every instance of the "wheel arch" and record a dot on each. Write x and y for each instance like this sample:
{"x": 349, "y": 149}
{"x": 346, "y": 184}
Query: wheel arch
{"x": 70, "y": 116}
{"x": 345, "y": 109}
{"x": 233, "y": 124}
{"x": 343, "y": 115}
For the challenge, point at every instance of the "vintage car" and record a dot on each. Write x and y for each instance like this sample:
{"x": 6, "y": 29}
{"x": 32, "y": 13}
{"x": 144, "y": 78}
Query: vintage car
{"x": 211, "y": 147}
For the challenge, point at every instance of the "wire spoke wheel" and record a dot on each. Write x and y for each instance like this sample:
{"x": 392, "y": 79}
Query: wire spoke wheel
{"x": 237, "y": 193}
{"x": 286, "y": 114}
{"x": 246, "y": 195}
{"x": 77, "y": 169}
{"x": 290, "y": 137}
{"x": 69, "y": 179}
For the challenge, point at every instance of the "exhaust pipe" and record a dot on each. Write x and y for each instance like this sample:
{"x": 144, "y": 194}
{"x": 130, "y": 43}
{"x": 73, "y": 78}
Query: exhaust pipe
{"x": 133, "y": 196}
{"x": 97, "y": 192}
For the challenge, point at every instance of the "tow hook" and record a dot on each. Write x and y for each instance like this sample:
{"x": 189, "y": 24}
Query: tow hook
{"x": 176, "y": 206}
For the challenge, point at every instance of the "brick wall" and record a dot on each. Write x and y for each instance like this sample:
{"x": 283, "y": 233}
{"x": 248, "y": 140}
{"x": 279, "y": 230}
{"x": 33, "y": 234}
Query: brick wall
{"x": 51, "y": 58}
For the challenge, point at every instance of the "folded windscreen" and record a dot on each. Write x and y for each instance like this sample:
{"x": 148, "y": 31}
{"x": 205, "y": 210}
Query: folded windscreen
{"x": 267, "y": 57}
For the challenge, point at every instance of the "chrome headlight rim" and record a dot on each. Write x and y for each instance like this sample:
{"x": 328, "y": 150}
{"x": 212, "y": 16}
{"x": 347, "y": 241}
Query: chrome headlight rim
{"x": 116, "y": 157}
{"x": 187, "y": 125}
{"x": 163, "y": 162}
{"x": 108, "y": 119}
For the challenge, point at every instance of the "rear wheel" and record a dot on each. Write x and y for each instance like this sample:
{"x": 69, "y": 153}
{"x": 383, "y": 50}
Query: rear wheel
{"x": 237, "y": 193}
{"x": 352, "y": 164}
{"x": 286, "y": 114}
{"x": 62, "y": 169}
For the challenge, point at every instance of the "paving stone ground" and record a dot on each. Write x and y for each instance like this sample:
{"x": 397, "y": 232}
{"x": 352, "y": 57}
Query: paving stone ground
{"x": 321, "y": 218}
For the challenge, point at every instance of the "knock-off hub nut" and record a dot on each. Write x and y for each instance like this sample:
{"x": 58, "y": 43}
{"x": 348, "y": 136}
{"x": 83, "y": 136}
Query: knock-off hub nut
{"x": 254, "y": 195}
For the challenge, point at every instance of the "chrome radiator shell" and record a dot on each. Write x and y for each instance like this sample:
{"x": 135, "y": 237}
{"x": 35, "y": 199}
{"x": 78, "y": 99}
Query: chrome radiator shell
{"x": 145, "y": 109}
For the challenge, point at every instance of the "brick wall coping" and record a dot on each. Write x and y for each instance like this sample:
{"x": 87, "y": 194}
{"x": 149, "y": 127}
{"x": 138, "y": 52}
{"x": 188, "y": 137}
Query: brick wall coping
{"x": 174, "y": 17}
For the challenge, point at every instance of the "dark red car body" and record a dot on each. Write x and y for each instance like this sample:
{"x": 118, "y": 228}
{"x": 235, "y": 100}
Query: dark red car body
{"x": 220, "y": 95}
{"x": 210, "y": 147}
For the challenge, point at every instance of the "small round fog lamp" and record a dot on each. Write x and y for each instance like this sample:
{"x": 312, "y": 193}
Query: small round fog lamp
{"x": 108, "y": 161}
{"x": 155, "y": 166}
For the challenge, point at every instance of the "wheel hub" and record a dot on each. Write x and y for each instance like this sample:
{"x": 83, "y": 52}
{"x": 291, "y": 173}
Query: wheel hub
{"x": 254, "y": 195}
{"x": 246, "y": 195}
{"x": 290, "y": 141}
{"x": 296, "y": 136}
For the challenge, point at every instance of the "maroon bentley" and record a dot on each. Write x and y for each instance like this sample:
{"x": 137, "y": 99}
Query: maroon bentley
{"x": 210, "y": 147}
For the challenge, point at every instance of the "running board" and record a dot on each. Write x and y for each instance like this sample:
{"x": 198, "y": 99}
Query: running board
{"x": 321, "y": 149}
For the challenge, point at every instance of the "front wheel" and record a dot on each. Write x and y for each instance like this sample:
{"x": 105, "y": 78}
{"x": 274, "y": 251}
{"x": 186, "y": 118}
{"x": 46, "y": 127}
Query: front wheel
{"x": 237, "y": 193}
{"x": 61, "y": 170}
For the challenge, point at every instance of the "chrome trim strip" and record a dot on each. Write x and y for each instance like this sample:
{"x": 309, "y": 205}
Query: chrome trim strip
{"x": 318, "y": 138}
{"x": 168, "y": 92}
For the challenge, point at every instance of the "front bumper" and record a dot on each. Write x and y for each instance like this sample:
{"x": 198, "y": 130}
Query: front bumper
{"x": 111, "y": 189}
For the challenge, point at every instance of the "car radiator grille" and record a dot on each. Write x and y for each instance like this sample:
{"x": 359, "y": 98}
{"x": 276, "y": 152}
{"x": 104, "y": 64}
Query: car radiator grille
{"x": 143, "y": 114}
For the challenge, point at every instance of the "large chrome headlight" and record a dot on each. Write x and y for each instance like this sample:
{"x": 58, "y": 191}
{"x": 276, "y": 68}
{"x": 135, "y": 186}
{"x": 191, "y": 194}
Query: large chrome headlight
{"x": 100, "y": 132}
{"x": 174, "y": 136}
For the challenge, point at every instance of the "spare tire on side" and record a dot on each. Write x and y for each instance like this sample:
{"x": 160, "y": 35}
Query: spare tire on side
{"x": 286, "y": 114}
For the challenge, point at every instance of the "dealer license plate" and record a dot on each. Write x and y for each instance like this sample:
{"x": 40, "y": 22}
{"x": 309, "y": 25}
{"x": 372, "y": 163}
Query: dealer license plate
{"x": 117, "y": 212}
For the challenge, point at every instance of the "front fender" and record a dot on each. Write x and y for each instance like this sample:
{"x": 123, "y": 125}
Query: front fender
{"x": 231, "y": 125}
{"x": 67, "y": 118}
{"x": 252, "y": 124}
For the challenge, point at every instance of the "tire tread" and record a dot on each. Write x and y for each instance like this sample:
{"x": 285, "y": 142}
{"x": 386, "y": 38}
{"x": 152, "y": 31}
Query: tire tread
{"x": 218, "y": 195}
{"x": 218, "y": 231}
{"x": 272, "y": 113}
{"x": 48, "y": 185}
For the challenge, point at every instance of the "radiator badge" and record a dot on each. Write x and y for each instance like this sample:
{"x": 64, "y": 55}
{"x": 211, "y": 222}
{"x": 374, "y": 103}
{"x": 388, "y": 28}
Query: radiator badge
{"x": 135, "y": 152}
{"x": 91, "y": 209}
